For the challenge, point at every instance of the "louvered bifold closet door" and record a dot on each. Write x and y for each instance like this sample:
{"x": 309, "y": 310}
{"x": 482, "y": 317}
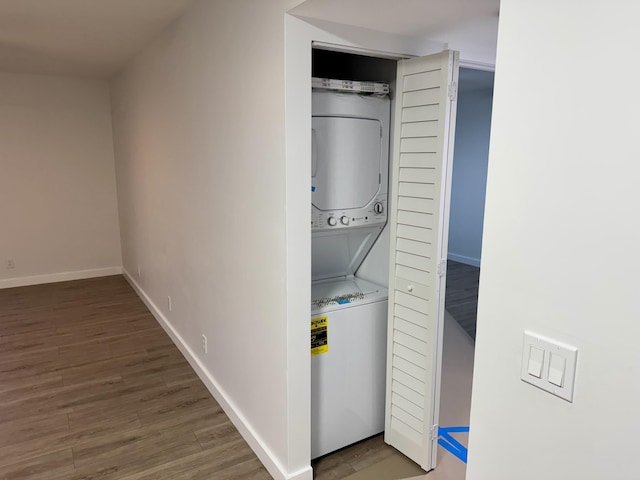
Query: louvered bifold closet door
{"x": 423, "y": 143}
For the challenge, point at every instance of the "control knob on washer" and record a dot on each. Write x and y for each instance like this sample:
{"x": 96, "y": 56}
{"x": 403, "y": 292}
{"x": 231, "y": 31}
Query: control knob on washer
{"x": 344, "y": 220}
{"x": 332, "y": 221}
{"x": 378, "y": 208}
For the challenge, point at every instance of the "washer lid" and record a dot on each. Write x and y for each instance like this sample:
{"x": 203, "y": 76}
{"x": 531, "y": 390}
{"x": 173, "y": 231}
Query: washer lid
{"x": 333, "y": 295}
{"x": 339, "y": 253}
{"x": 346, "y": 162}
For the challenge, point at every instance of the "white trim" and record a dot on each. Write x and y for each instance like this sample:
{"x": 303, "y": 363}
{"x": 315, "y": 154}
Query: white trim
{"x": 237, "y": 418}
{"x": 333, "y": 47}
{"x": 475, "y": 262}
{"x": 473, "y": 65}
{"x": 302, "y": 474}
{"x": 300, "y": 35}
{"x": 58, "y": 277}
{"x": 453, "y": 70}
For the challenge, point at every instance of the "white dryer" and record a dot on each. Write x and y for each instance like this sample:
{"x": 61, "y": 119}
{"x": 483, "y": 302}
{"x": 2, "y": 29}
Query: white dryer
{"x": 350, "y": 163}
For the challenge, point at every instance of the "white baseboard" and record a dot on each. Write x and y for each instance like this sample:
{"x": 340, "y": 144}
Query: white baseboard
{"x": 237, "y": 418}
{"x": 304, "y": 474}
{"x": 475, "y": 262}
{"x": 58, "y": 277}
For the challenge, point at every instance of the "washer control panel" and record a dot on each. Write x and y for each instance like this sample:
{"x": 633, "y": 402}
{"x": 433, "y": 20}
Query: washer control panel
{"x": 373, "y": 214}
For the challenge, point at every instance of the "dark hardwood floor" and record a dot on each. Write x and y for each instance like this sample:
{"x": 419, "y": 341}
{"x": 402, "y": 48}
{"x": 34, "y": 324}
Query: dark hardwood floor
{"x": 92, "y": 388}
{"x": 461, "y": 297}
{"x": 352, "y": 459}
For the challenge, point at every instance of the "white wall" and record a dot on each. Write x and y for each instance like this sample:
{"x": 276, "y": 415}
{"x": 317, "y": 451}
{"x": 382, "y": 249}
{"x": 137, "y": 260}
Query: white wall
{"x": 561, "y": 229}
{"x": 475, "y": 39}
{"x": 200, "y": 155}
{"x": 58, "y": 212}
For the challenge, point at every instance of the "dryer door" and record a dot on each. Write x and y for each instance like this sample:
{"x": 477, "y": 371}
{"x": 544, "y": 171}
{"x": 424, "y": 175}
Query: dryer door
{"x": 346, "y": 162}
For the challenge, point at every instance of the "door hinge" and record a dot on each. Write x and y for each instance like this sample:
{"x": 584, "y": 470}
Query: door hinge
{"x": 442, "y": 267}
{"x": 433, "y": 431}
{"x": 453, "y": 91}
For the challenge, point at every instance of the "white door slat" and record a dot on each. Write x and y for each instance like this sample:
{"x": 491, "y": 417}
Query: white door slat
{"x": 410, "y": 356}
{"x": 415, "y": 98}
{"x": 419, "y": 129}
{"x": 405, "y": 430}
{"x": 408, "y": 327}
{"x": 418, "y": 175}
{"x": 413, "y": 204}
{"x": 408, "y": 406}
{"x": 408, "y": 393}
{"x": 418, "y": 160}
{"x": 411, "y": 246}
{"x": 411, "y": 274}
{"x": 419, "y": 80}
{"x": 408, "y": 341}
{"x": 406, "y": 418}
{"x": 418, "y": 234}
{"x": 409, "y": 368}
{"x": 424, "y": 220}
{"x": 417, "y": 262}
{"x": 412, "y": 302}
{"x": 426, "y": 64}
{"x": 416, "y": 289}
{"x": 408, "y": 381}
{"x": 427, "y": 113}
{"x": 407, "y": 323}
{"x": 419, "y": 190}
{"x": 419, "y": 145}
{"x": 412, "y": 322}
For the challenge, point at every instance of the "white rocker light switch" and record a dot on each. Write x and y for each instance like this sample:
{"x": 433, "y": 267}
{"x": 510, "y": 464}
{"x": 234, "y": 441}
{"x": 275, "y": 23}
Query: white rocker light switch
{"x": 536, "y": 359}
{"x": 556, "y": 369}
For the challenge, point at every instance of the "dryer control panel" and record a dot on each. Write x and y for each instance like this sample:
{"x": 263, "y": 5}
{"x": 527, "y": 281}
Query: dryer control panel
{"x": 373, "y": 214}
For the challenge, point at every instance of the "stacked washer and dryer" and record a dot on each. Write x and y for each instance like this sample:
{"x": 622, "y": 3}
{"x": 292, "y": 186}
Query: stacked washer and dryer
{"x": 350, "y": 164}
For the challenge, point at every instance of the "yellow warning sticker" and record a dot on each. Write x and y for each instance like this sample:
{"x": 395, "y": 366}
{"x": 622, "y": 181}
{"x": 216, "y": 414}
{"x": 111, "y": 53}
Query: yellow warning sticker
{"x": 319, "y": 337}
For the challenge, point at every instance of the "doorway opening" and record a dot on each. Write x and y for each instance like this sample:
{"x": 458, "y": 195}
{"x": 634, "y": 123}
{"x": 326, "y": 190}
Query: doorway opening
{"x": 468, "y": 188}
{"x": 350, "y": 248}
{"x": 351, "y": 460}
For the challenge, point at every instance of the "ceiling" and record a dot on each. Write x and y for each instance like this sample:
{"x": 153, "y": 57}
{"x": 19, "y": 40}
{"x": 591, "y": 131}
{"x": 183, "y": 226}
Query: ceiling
{"x": 96, "y": 38}
{"x": 414, "y": 18}
{"x": 470, "y": 26}
{"x": 87, "y": 38}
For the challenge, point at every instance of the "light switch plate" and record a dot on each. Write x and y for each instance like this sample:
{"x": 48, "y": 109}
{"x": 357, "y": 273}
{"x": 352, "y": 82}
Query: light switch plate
{"x": 533, "y": 341}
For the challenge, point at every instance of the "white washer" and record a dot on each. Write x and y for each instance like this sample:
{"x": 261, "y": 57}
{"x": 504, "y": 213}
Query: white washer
{"x": 349, "y": 202}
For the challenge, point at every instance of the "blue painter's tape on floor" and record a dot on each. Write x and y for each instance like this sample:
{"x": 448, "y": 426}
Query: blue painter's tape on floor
{"x": 450, "y": 444}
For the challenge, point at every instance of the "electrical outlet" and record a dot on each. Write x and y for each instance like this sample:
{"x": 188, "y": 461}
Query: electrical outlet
{"x": 169, "y": 302}
{"x": 10, "y": 263}
{"x": 204, "y": 343}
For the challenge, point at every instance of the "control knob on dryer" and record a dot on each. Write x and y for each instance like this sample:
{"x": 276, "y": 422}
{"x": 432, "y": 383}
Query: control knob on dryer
{"x": 378, "y": 208}
{"x": 332, "y": 221}
{"x": 344, "y": 220}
